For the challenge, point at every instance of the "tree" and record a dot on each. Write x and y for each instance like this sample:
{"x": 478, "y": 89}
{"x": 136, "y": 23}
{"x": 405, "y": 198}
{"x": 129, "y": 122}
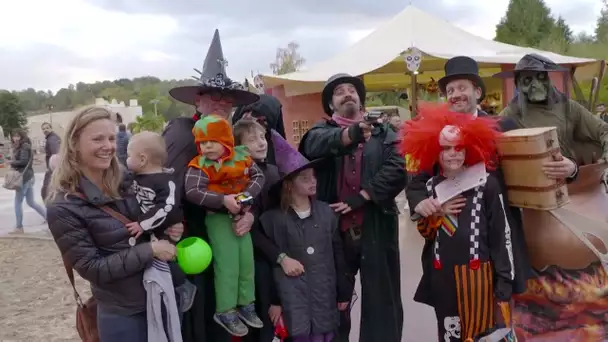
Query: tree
{"x": 526, "y": 23}
{"x": 563, "y": 30}
{"x": 559, "y": 39}
{"x": 143, "y": 89}
{"x": 12, "y": 115}
{"x": 287, "y": 60}
{"x": 584, "y": 38}
{"x": 601, "y": 30}
{"x": 148, "y": 122}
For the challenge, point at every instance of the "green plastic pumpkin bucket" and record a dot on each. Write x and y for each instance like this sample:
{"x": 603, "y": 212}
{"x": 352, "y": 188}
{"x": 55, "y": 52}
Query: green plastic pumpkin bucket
{"x": 193, "y": 255}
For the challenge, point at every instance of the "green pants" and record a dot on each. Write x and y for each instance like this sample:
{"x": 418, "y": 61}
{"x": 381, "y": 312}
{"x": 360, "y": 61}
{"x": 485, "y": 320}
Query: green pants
{"x": 232, "y": 263}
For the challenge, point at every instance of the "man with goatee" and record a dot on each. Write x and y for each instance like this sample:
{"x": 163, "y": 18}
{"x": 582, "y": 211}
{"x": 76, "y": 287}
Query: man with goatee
{"x": 362, "y": 175}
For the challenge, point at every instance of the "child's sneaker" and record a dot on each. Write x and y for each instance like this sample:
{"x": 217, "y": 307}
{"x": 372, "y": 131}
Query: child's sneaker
{"x": 250, "y": 317}
{"x": 186, "y": 293}
{"x": 231, "y": 322}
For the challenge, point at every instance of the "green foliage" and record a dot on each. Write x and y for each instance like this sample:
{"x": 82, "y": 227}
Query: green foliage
{"x": 529, "y": 23}
{"x": 601, "y": 30}
{"x": 12, "y": 115}
{"x": 287, "y": 60}
{"x": 385, "y": 98}
{"x": 559, "y": 38}
{"x": 148, "y": 122}
{"x": 526, "y": 23}
{"x": 144, "y": 89}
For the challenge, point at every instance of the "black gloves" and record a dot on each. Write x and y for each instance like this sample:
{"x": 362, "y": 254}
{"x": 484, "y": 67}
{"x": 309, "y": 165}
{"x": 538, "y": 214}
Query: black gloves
{"x": 355, "y": 133}
{"x": 355, "y": 202}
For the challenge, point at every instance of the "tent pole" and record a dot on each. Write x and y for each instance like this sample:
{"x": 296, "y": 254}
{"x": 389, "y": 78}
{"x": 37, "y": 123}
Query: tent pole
{"x": 413, "y": 95}
{"x": 600, "y": 78}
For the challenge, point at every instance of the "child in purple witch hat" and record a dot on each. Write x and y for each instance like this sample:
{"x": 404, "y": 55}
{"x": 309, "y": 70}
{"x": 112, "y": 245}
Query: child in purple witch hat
{"x": 314, "y": 287}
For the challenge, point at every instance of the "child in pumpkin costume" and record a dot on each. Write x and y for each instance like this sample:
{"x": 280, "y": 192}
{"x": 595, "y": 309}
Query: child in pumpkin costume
{"x": 468, "y": 267}
{"x": 214, "y": 178}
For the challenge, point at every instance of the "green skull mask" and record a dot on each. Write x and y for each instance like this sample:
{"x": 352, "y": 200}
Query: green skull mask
{"x": 534, "y": 84}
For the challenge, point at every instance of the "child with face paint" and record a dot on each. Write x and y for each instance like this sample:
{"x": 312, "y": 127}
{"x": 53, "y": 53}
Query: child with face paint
{"x": 215, "y": 180}
{"x": 467, "y": 260}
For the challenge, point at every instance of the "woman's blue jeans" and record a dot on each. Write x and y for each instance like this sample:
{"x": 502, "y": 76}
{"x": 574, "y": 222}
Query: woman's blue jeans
{"x": 26, "y": 192}
{"x": 119, "y": 328}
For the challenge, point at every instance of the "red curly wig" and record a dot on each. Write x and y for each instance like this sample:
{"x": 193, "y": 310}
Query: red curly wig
{"x": 478, "y": 137}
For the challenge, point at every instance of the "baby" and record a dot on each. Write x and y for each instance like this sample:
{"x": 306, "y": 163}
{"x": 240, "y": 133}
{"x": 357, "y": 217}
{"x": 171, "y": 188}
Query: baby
{"x": 224, "y": 179}
{"x": 155, "y": 192}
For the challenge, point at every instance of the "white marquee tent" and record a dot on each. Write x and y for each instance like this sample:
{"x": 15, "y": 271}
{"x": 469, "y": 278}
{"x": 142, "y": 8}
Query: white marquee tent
{"x": 377, "y": 57}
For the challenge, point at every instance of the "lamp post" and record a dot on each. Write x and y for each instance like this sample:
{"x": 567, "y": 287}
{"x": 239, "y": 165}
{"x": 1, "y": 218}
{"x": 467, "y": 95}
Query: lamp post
{"x": 50, "y": 108}
{"x": 155, "y": 103}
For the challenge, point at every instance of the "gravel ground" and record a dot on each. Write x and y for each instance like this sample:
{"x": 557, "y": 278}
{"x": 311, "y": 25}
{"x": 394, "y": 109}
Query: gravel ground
{"x": 36, "y": 301}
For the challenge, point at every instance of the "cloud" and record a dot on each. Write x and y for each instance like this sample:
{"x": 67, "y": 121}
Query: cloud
{"x": 62, "y": 42}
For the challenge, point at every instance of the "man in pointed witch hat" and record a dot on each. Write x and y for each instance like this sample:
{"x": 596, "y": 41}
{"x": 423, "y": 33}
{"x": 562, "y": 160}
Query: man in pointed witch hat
{"x": 214, "y": 93}
{"x": 361, "y": 178}
{"x": 464, "y": 89}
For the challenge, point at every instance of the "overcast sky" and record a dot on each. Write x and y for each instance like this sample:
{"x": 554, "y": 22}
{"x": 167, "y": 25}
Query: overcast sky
{"x": 50, "y": 44}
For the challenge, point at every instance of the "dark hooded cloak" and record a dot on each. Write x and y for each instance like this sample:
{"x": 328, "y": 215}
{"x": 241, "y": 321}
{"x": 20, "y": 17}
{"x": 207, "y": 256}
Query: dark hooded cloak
{"x": 268, "y": 111}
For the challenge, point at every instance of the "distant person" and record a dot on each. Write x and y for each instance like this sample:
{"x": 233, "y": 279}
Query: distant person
{"x": 23, "y": 156}
{"x": 122, "y": 141}
{"x": 52, "y": 142}
{"x": 600, "y": 110}
{"x": 384, "y": 117}
{"x": 395, "y": 122}
{"x": 51, "y": 147}
{"x": 48, "y": 174}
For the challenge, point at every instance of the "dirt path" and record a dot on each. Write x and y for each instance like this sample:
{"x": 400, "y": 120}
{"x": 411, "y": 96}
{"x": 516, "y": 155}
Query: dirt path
{"x": 36, "y": 301}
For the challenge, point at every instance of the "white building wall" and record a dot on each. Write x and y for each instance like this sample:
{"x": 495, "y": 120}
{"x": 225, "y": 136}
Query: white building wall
{"x": 60, "y": 120}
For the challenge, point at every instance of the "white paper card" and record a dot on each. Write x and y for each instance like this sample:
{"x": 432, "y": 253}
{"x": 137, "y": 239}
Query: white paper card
{"x": 468, "y": 179}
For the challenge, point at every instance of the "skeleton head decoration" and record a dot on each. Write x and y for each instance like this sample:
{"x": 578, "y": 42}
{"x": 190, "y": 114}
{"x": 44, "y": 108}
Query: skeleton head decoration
{"x": 452, "y": 327}
{"x": 258, "y": 82}
{"x": 413, "y": 58}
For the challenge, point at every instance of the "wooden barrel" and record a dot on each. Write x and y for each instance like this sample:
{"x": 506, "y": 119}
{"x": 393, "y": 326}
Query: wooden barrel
{"x": 551, "y": 242}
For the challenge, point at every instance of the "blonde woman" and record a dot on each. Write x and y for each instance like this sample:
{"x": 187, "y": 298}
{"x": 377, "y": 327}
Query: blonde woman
{"x": 95, "y": 243}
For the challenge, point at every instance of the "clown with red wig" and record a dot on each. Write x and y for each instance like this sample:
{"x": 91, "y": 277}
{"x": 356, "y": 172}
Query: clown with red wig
{"x": 468, "y": 260}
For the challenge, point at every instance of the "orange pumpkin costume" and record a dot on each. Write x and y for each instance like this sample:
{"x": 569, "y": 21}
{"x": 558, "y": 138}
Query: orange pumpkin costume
{"x": 207, "y": 182}
{"x": 229, "y": 174}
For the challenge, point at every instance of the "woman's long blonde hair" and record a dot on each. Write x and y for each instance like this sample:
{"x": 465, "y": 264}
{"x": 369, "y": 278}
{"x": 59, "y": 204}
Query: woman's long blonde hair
{"x": 66, "y": 177}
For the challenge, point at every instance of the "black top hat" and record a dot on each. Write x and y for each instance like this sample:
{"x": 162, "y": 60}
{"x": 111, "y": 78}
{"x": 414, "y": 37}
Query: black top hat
{"x": 214, "y": 78}
{"x": 532, "y": 62}
{"x": 333, "y": 82}
{"x": 462, "y": 68}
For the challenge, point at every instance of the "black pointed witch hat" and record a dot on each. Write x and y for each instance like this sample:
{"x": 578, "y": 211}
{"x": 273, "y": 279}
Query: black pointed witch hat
{"x": 213, "y": 78}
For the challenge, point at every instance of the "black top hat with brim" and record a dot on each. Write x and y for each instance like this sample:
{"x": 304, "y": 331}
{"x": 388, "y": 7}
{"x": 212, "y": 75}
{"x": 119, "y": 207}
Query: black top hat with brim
{"x": 532, "y": 62}
{"x": 336, "y": 80}
{"x": 213, "y": 78}
{"x": 462, "y": 68}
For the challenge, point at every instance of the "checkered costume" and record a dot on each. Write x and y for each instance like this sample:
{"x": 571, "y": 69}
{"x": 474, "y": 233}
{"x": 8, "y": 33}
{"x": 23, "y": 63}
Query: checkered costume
{"x": 472, "y": 269}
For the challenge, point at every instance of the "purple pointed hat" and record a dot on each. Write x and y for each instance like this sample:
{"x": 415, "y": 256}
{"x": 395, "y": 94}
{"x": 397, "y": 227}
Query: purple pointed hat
{"x": 288, "y": 159}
